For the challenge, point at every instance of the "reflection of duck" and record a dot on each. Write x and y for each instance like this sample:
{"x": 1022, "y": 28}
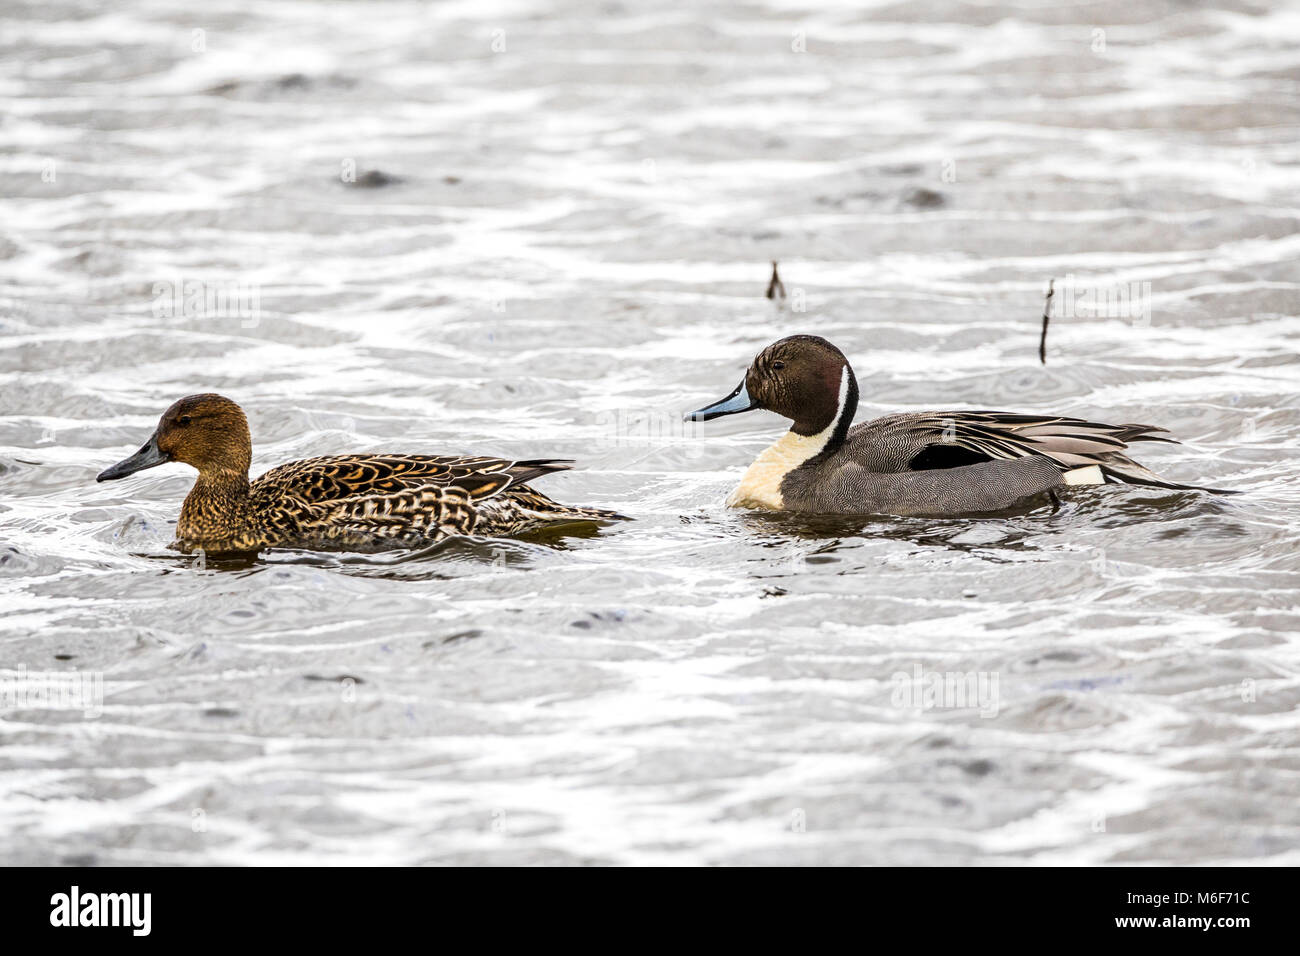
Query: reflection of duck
{"x": 348, "y": 502}
{"x": 920, "y": 463}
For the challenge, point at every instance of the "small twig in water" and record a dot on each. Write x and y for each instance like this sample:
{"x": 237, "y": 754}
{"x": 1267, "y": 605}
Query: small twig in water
{"x": 775, "y": 286}
{"x": 1047, "y": 317}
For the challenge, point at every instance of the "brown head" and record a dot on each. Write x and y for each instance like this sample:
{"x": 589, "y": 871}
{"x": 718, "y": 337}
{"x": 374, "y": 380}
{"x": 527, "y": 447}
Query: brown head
{"x": 207, "y": 431}
{"x": 802, "y": 377}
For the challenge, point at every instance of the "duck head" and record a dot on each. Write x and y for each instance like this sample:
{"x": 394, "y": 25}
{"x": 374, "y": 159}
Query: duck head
{"x": 802, "y": 377}
{"x": 207, "y": 431}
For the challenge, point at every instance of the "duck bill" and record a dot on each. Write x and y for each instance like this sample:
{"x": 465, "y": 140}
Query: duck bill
{"x": 738, "y": 401}
{"x": 148, "y": 456}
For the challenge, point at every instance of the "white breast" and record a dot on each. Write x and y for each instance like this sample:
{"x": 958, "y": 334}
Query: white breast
{"x": 760, "y": 487}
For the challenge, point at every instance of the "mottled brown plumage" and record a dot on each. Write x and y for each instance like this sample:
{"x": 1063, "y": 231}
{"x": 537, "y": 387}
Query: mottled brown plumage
{"x": 347, "y": 502}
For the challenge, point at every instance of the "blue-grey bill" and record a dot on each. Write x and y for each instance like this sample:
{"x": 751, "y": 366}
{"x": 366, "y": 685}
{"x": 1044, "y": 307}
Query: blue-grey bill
{"x": 148, "y": 456}
{"x": 737, "y": 401}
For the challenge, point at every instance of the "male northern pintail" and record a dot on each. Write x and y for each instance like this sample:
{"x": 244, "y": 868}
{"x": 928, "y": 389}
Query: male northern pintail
{"x": 347, "y": 502}
{"x": 918, "y": 463}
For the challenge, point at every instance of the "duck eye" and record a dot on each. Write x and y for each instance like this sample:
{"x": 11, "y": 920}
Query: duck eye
{"x": 183, "y": 420}
{"x": 778, "y": 365}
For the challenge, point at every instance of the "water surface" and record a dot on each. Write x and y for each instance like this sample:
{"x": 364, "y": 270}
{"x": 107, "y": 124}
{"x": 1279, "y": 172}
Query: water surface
{"x": 542, "y": 230}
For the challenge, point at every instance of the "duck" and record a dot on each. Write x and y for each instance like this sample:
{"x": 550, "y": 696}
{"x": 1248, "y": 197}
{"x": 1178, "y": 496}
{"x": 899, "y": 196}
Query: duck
{"x": 916, "y": 463}
{"x": 340, "y": 503}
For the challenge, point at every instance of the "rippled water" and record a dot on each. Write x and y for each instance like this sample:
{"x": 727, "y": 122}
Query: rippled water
{"x": 545, "y": 230}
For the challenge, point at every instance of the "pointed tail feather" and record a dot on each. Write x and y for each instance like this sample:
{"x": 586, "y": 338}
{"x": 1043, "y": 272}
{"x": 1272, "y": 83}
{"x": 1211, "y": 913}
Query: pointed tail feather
{"x": 1123, "y": 469}
{"x": 525, "y": 471}
{"x": 1074, "y": 444}
{"x": 544, "y": 509}
{"x": 579, "y": 513}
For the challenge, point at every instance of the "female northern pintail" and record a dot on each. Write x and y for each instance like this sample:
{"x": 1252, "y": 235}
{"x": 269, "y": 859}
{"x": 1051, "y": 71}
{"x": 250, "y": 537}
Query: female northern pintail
{"x": 919, "y": 463}
{"x": 348, "y": 502}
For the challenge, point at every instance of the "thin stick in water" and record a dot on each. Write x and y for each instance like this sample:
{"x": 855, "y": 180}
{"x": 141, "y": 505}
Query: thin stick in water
{"x": 1047, "y": 317}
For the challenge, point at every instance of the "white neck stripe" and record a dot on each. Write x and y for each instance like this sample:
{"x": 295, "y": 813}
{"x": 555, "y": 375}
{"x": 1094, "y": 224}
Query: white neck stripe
{"x": 844, "y": 396}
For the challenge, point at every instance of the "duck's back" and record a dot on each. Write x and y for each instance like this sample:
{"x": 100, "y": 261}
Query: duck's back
{"x": 343, "y": 476}
{"x": 950, "y": 462}
{"x": 373, "y": 502}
